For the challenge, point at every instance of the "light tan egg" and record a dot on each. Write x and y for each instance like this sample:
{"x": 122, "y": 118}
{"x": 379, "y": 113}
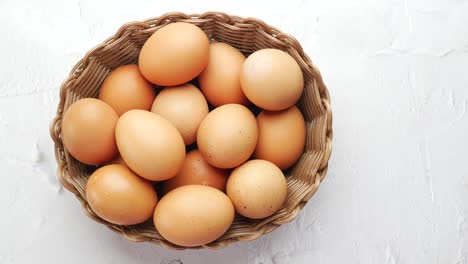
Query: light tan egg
{"x": 88, "y": 128}
{"x": 196, "y": 170}
{"x": 150, "y": 145}
{"x": 227, "y": 136}
{"x": 119, "y": 196}
{"x": 257, "y": 189}
{"x": 272, "y": 79}
{"x": 125, "y": 89}
{"x": 220, "y": 81}
{"x": 281, "y": 136}
{"x": 184, "y": 106}
{"x": 193, "y": 215}
{"x": 174, "y": 54}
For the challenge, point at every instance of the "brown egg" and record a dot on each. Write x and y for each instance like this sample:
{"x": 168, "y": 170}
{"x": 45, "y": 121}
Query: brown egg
{"x": 88, "y": 131}
{"x": 125, "y": 89}
{"x": 196, "y": 170}
{"x": 220, "y": 80}
{"x": 281, "y": 146}
{"x": 257, "y": 189}
{"x": 119, "y": 196}
{"x": 272, "y": 79}
{"x": 150, "y": 145}
{"x": 184, "y": 106}
{"x": 174, "y": 54}
{"x": 193, "y": 215}
{"x": 227, "y": 136}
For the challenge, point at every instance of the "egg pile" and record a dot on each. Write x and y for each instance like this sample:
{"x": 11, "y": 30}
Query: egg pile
{"x": 151, "y": 126}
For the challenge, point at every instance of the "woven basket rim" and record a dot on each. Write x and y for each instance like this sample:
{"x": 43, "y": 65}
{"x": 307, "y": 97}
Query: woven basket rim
{"x": 66, "y": 174}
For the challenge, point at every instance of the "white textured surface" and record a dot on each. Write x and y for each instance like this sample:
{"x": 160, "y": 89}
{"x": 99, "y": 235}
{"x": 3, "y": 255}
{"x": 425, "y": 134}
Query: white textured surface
{"x": 397, "y": 187}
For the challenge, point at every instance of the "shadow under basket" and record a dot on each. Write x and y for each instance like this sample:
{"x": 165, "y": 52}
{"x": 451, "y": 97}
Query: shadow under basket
{"x": 246, "y": 34}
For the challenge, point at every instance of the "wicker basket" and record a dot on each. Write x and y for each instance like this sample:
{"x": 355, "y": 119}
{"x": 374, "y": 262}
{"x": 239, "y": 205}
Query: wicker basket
{"x": 246, "y": 34}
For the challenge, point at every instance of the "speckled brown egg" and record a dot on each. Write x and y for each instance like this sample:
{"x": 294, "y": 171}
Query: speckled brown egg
{"x": 257, "y": 189}
{"x": 272, "y": 79}
{"x": 119, "y": 196}
{"x": 281, "y": 146}
{"x": 184, "y": 106}
{"x": 196, "y": 170}
{"x": 227, "y": 136}
{"x": 125, "y": 89}
{"x": 150, "y": 145}
{"x": 193, "y": 215}
{"x": 174, "y": 54}
{"x": 88, "y": 128}
{"x": 220, "y": 80}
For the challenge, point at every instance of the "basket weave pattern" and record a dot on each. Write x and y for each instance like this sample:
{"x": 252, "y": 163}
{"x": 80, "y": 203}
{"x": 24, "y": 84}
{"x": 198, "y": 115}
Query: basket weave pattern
{"x": 246, "y": 34}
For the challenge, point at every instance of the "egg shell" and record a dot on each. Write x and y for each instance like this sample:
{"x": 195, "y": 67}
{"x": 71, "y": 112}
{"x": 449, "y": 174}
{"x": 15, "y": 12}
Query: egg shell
{"x": 88, "y": 131}
{"x": 174, "y": 54}
{"x": 184, "y": 106}
{"x": 125, "y": 89}
{"x": 272, "y": 79}
{"x": 227, "y": 136}
{"x": 196, "y": 170}
{"x": 150, "y": 145}
{"x": 119, "y": 196}
{"x": 220, "y": 80}
{"x": 193, "y": 215}
{"x": 281, "y": 146}
{"x": 257, "y": 189}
